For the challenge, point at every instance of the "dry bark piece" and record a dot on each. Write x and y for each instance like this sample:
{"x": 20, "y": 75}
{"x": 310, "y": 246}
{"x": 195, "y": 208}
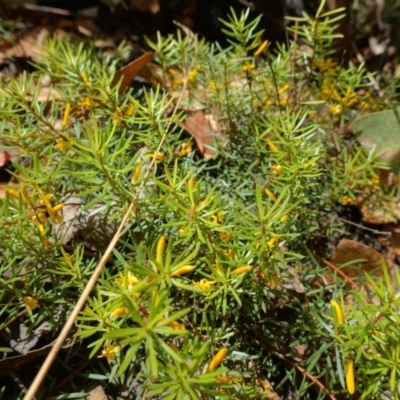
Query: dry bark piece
{"x": 205, "y": 130}
{"x": 130, "y": 71}
{"x": 350, "y": 250}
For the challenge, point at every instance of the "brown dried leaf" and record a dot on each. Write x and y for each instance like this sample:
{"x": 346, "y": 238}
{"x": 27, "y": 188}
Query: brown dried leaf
{"x": 130, "y": 71}
{"x": 205, "y": 130}
{"x": 350, "y": 250}
{"x": 146, "y": 6}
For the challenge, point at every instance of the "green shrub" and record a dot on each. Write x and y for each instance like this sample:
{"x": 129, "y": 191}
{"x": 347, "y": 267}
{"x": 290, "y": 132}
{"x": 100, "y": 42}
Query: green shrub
{"x": 213, "y": 259}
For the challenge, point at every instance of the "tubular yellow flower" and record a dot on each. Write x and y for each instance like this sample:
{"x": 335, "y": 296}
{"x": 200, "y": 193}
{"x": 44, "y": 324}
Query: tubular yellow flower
{"x": 160, "y": 248}
{"x": 270, "y": 194}
{"x": 66, "y": 114}
{"x": 60, "y": 145}
{"x": 225, "y": 236}
{"x": 119, "y": 311}
{"x": 43, "y": 236}
{"x": 182, "y": 270}
{"x": 262, "y": 47}
{"x": 136, "y": 174}
{"x": 350, "y": 376}
{"x": 192, "y": 183}
{"x": 217, "y": 359}
{"x": 242, "y": 270}
{"x": 58, "y": 207}
{"x": 283, "y": 89}
{"x": 338, "y": 311}
{"x": 25, "y": 194}
{"x": 176, "y": 325}
{"x": 272, "y": 146}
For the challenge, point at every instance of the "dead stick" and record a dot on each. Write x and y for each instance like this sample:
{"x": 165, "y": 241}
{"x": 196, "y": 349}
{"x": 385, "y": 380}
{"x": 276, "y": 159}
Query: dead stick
{"x": 96, "y": 273}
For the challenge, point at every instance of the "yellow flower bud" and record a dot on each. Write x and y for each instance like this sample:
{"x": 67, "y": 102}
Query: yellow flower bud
{"x": 284, "y": 218}
{"x": 66, "y": 114}
{"x": 350, "y": 376}
{"x": 338, "y": 311}
{"x": 182, "y": 270}
{"x": 270, "y": 194}
{"x": 57, "y": 208}
{"x": 25, "y": 194}
{"x": 242, "y": 270}
{"x": 262, "y": 47}
{"x": 13, "y": 193}
{"x": 160, "y": 249}
{"x": 272, "y": 146}
{"x": 119, "y": 311}
{"x": 192, "y": 183}
{"x": 176, "y": 325}
{"x": 217, "y": 359}
{"x": 136, "y": 174}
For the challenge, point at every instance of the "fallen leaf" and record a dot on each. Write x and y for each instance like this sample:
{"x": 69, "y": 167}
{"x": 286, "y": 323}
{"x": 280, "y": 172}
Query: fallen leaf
{"x": 370, "y": 260}
{"x": 94, "y": 391}
{"x": 146, "y": 6}
{"x": 130, "y": 71}
{"x": 205, "y": 130}
{"x": 380, "y": 131}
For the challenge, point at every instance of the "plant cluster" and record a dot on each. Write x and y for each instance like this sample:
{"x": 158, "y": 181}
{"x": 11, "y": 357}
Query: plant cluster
{"x": 210, "y": 292}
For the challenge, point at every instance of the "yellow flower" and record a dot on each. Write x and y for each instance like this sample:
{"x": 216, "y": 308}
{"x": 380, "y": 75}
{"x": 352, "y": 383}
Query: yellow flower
{"x": 87, "y": 103}
{"x": 158, "y": 157}
{"x": 66, "y": 114}
{"x": 85, "y": 78}
{"x": 109, "y": 351}
{"x": 338, "y": 311}
{"x": 30, "y": 302}
{"x": 182, "y": 270}
{"x": 262, "y": 47}
{"x": 375, "y": 180}
{"x": 283, "y": 89}
{"x": 185, "y": 149}
{"x": 60, "y": 145}
{"x": 284, "y": 218}
{"x": 228, "y": 379}
{"x": 277, "y": 169}
{"x": 192, "y": 183}
{"x": 119, "y": 312}
{"x": 43, "y": 236}
{"x": 128, "y": 110}
{"x": 176, "y": 325}
{"x": 242, "y": 270}
{"x": 346, "y": 200}
{"x": 336, "y": 109}
{"x": 225, "y": 236}
{"x": 349, "y": 98}
{"x": 217, "y": 359}
{"x": 218, "y": 218}
{"x": 160, "y": 249}
{"x": 272, "y": 241}
{"x": 25, "y": 195}
{"x": 270, "y": 194}
{"x": 204, "y": 284}
{"x": 248, "y": 66}
{"x": 350, "y": 376}
{"x": 13, "y": 193}
{"x": 129, "y": 280}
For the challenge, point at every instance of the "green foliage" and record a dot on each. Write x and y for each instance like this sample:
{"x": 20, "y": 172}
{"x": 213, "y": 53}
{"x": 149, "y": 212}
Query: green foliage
{"x": 213, "y": 255}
